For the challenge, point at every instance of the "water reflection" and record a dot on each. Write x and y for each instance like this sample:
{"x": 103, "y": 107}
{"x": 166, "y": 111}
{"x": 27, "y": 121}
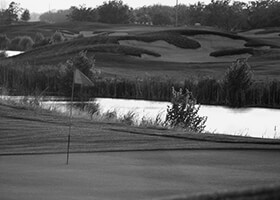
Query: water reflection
{"x": 12, "y": 53}
{"x": 255, "y": 122}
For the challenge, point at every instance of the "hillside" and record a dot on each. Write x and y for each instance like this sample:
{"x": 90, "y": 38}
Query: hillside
{"x": 138, "y": 49}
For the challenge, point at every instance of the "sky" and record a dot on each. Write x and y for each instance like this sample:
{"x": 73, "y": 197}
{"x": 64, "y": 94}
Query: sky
{"x": 40, "y": 6}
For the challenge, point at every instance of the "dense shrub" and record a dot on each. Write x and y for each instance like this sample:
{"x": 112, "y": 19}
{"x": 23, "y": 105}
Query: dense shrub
{"x": 44, "y": 42}
{"x": 4, "y": 42}
{"x": 39, "y": 38}
{"x": 237, "y": 81}
{"x": 25, "y": 43}
{"x": 57, "y": 37}
{"x": 3, "y": 54}
{"x": 184, "y": 112}
{"x": 14, "y": 45}
{"x": 128, "y": 118}
{"x": 21, "y": 43}
{"x": 80, "y": 61}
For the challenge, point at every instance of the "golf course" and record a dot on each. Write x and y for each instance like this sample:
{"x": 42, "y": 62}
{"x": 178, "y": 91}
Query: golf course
{"x": 62, "y": 139}
{"x": 116, "y": 161}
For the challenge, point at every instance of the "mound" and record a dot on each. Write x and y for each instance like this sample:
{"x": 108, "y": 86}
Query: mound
{"x": 180, "y": 45}
{"x": 63, "y": 53}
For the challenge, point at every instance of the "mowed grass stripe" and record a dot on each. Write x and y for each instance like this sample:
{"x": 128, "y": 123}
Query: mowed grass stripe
{"x": 23, "y": 135}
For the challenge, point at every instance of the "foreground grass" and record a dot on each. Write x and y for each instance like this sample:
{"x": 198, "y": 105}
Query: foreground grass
{"x": 142, "y": 174}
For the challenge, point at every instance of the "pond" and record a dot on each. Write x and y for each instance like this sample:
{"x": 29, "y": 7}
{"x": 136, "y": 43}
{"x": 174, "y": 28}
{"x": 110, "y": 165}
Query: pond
{"x": 12, "y": 53}
{"x": 255, "y": 122}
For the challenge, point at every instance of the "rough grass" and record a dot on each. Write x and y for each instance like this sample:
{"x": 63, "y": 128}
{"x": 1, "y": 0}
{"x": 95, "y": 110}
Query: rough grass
{"x": 262, "y": 43}
{"x": 259, "y": 193}
{"x": 67, "y": 51}
{"x": 268, "y": 30}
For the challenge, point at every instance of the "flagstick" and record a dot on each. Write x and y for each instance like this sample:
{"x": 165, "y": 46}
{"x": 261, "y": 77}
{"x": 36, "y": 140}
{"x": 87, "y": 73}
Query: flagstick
{"x": 70, "y": 119}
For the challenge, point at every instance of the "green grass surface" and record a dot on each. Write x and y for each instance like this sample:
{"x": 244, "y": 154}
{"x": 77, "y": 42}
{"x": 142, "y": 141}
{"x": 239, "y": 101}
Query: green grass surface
{"x": 151, "y": 163}
{"x": 24, "y": 130}
{"x": 112, "y": 58}
{"x": 138, "y": 175}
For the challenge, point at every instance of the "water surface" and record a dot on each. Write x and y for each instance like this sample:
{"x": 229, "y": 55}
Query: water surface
{"x": 255, "y": 122}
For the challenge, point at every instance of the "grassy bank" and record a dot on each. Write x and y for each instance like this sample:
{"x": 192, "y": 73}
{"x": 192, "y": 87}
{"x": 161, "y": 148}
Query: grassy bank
{"x": 29, "y": 130}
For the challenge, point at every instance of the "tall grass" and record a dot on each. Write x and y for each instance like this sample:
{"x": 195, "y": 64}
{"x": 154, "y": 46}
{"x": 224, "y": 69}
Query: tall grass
{"x": 25, "y": 79}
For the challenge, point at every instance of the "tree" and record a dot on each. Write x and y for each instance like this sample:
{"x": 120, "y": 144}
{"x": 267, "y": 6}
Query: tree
{"x": 184, "y": 112}
{"x": 25, "y": 16}
{"x": 218, "y": 13}
{"x": 237, "y": 80}
{"x": 11, "y": 13}
{"x": 82, "y": 14}
{"x": 264, "y": 13}
{"x": 39, "y": 38}
{"x": 195, "y": 13}
{"x": 161, "y": 15}
{"x": 26, "y": 43}
{"x": 182, "y": 11}
{"x": 57, "y": 37}
{"x": 156, "y": 15}
{"x": 115, "y": 12}
{"x": 55, "y": 17}
{"x": 4, "y": 42}
{"x": 142, "y": 15}
{"x": 80, "y": 61}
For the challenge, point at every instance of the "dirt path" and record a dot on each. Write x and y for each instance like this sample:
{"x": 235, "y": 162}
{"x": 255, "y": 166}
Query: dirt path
{"x": 135, "y": 175}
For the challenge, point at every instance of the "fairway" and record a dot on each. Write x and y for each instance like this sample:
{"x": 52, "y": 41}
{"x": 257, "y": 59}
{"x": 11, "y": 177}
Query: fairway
{"x": 135, "y": 175}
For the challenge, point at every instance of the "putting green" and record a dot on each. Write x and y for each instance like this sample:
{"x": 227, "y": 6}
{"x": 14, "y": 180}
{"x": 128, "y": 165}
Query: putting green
{"x": 135, "y": 175}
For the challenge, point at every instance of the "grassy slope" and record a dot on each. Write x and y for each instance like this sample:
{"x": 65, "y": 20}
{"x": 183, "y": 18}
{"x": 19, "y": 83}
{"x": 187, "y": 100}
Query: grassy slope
{"x": 114, "y": 61}
{"x": 28, "y": 131}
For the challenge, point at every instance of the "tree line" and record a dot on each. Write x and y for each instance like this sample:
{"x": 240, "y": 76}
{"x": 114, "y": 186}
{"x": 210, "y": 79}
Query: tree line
{"x": 224, "y": 14}
{"x": 12, "y": 13}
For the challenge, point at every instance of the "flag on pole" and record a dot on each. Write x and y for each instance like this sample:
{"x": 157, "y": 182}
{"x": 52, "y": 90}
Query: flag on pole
{"x": 80, "y": 78}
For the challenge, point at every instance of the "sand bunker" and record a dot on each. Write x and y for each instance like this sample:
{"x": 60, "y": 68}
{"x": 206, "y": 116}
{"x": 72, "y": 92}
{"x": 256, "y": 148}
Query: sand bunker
{"x": 171, "y": 53}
